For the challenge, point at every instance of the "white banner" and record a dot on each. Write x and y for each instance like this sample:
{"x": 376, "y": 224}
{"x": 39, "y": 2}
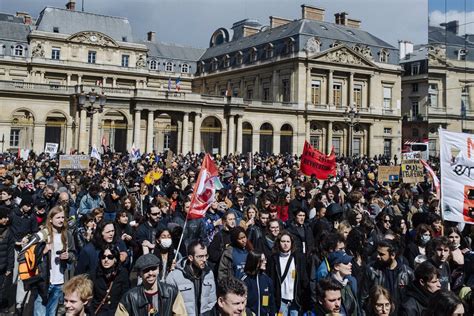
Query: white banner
{"x": 457, "y": 176}
{"x": 51, "y": 149}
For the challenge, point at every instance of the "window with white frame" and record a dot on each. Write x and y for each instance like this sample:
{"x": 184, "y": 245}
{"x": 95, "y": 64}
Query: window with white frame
{"x": 433, "y": 94}
{"x": 314, "y": 141}
{"x": 239, "y": 58}
{"x": 169, "y": 67}
{"x": 336, "y": 144}
{"x": 91, "y": 57}
{"x": 19, "y": 50}
{"x": 214, "y": 64}
{"x": 269, "y": 51}
{"x": 465, "y": 97}
{"x": 185, "y": 68}
{"x": 387, "y": 147}
{"x": 167, "y": 140}
{"x": 414, "y": 109}
{"x": 383, "y": 56}
{"x": 358, "y": 95}
{"x": 337, "y": 94}
{"x": 316, "y": 91}
{"x": 356, "y": 146}
{"x": 125, "y": 60}
{"x": 462, "y": 54}
{"x": 226, "y": 61}
{"x": 153, "y": 65}
{"x": 253, "y": 54}
{"x": 14, "y": 137}
{"x": 387, "y": 98}
{"x": 289, "y": 46}
{"x": 415, "y": 69}
{"x": 387, "y": 130}
{"x": 56, "y": 53}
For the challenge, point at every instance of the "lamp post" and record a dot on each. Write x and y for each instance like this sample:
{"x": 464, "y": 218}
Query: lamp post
{"x": 351, "y": 117}
{"x": 88, "y": 104}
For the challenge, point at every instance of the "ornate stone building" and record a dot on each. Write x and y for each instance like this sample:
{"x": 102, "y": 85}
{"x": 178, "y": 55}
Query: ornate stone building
{"x": 255, "y": 88}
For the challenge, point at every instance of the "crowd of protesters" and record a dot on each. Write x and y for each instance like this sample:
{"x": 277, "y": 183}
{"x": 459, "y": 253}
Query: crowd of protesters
{"x": 274, "y": 241}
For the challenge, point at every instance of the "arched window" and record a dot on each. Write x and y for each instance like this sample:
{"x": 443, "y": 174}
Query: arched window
{"x": 290, "y": 46}
{"x": 214, "y": 64}
{"x": 269, "y": 51}
{"x": 383, "y": 56}
{"x": 19, "y": 50}
{"x": 226, "y": 61}
{"x": 169, "y": 66}
{"x": 185, "y": 68}
{"x": 239, "y": 58}
{"x": 253, "y": 54}
{"x": 153, "y": 65}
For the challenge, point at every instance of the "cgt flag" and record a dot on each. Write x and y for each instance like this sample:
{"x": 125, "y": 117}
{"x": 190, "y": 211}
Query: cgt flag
{"x": 205, "y": 189}
{"x": 315, "y": 162}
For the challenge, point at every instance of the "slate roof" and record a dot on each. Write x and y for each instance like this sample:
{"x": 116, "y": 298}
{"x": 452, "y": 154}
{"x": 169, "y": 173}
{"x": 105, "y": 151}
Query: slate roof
{"x": 14, "y": 32}
{"x": 454, "y": 42}
{"x": 420, "y": 52}
{"x": 174, "y": 51}
{"x": 71, "y": 22}
{"x": 7, "y": 17}
{"x": 321, "y": 29}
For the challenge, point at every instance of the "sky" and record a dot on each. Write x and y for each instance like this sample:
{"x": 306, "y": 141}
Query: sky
{"x": 192, "y": 22}
{"x": 441, "y": 11}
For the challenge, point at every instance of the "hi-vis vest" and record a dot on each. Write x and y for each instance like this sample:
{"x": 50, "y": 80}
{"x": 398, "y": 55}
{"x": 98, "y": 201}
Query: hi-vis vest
{"x": 29, "y": 260}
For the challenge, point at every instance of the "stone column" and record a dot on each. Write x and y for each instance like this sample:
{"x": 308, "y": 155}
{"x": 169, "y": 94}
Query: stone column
{"x": 179, "y": 123}
{"x": 94, "y": 130}
{"x": 114, "y": 82}
{"x": 371, "y": 91}
{"x": 231, "y": 134}
{"x": 256, "y": 93}
{"x": 39, "y": 137}
{"x": 329, "y": 140}
{"x": 197, "y": 133}
{"x": 68, "y": 79}
{"x": 149, "y": 131}
{"x": 185, "y": 143}
{"x": 307, "y": 130}
{"x": 351, "y": 89}
{"x": 83, "y": 137}
{"x": 104, "y": 81}
{"x": 255, "y": 140}
{"x": 79, "y": 79}
{"x": 308, "y": 86}
{"x": 370, "y": 143}
{"x": 276, "y": 85}
{"x": 329, "y": 90}
{"x": 239, "y": 134}
{"x": 137, "y": 127}
{"x": 276, "y": 141}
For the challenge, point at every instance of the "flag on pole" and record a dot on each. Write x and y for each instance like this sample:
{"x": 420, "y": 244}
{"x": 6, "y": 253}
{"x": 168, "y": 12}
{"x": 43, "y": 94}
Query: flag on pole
{"x": 436, "y": 182}
{"x": 205, "y": 189}
{"x": 169, "y": 83}
{"x": 134, "y": 153}
{"x": 178, "y": 84}
{"x": 95, "y": 153}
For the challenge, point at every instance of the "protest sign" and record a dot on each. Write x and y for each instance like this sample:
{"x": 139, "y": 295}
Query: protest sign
{"x": 51, "y": 149}
{"x": 457, "y": 176}
{"x": 389, "y": 173}
{"x": 314, "y": 162}
{"x": 412, "y": 171}
{"x": 169, "y": 159}
{"x": 74, "y": 162}
{"x": 411, "y": 155}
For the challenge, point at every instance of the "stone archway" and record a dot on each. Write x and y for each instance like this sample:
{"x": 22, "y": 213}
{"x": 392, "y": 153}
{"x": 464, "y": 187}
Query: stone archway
{"x": 56, "y": 130}
{"x": 247, "y": 137}
{"x": 114, "y": 131}
{"x": 286, "y": 139}
{"x": 211, "y": 134}
{"x": 266, "y": 138}
{"x": 21, "y": 131}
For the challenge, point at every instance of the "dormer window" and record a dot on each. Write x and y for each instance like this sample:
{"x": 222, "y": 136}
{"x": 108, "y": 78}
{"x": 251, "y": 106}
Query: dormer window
{"x": 185, "y": 68}
{"x": 269, "y": 51}
{"x": 55, "y": 29}
{"x": 253, "y": 54}
{"x": 201, "y": 67}
{"x": 226, "y": 61}
{"x": 239, "y": 58}
{"x": 169, "y": 67}
{"x": 335, "y": 44}
{"x": 19, "y": 50}
{"x": 153, "y": 65}
{"x": 214, "y": 64}
{"x": 462, "y": 54}
{"x": 290, "y": 46}
{"x": 383, "y": 56}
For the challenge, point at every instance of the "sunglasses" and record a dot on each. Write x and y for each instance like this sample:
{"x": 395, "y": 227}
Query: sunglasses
{"x": 149, "y": 269}
{"x": 154, "y": 214}
{"x": 110, "y": 257}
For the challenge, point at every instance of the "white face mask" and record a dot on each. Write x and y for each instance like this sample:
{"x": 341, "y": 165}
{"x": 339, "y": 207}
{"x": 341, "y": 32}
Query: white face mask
{"x": 165, "y": 243}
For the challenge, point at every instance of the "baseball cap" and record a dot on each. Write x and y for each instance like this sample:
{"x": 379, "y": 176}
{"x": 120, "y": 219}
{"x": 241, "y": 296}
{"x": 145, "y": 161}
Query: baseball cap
{"x": 339, "y": 257}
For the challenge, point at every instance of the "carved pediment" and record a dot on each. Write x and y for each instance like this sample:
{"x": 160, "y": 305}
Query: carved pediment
{"x": 437, "y": 60}
{"x": 93, "y": 38}
{"x": 343, "y": 55}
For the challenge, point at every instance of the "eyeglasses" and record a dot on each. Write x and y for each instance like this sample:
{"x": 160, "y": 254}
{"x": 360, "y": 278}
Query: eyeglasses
{"x": 155, "y": 214}
{"x": 149, "y": 269}
{"x": 383, "y": 305}
{"x": 110, "y": 257}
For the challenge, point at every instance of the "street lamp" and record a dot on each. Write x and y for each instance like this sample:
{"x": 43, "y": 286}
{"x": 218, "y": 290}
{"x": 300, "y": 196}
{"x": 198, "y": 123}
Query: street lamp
{"x": 351, "y": 117}
{"x": 88, "y": 101}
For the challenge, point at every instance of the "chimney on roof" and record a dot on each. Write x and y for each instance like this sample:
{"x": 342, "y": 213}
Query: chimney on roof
{"x": 26, "y": 17}
{"x": 341, "y": 18}
{"x": 277, "y": 21}
{"x": 151, "y": 36}
{"x": 312, "y": 13}
{"x": 353, "y": 23}
{"x": 451, "y": 26}
{"x": 71, "y": 5}
{"x": 405, "y": 48}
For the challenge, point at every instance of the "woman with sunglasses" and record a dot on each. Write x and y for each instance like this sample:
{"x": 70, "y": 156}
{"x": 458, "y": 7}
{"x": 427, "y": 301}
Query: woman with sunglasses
{"x": 110, "y": 282}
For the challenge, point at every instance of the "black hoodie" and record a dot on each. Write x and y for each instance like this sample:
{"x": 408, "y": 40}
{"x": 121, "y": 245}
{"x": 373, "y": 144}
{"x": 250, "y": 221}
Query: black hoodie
{"x": 416, "y": 301}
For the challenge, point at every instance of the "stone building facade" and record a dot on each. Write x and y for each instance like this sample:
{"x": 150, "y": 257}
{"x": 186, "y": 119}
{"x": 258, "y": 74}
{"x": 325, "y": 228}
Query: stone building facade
{"x": 255, "y": 88}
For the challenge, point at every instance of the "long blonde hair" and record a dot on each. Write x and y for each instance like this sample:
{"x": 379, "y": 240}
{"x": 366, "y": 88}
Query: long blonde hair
{"x": 49, "y": 225}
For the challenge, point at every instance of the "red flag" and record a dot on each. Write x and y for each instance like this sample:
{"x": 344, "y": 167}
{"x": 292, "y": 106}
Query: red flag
{"x": 434, "y": 177}
{"x": 204, "y": 189}
{"x": 315, "y": 162}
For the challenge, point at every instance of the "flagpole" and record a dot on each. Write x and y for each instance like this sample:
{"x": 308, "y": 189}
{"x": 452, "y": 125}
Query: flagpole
{"x": 181, "y": 238}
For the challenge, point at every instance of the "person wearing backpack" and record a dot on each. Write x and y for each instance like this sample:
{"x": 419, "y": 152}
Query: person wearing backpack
{"x": 7, "y": 256}
{"x": 58, "y": 257}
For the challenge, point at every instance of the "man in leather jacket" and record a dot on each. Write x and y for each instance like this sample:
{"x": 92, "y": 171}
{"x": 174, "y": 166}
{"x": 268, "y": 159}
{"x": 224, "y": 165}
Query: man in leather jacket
{"x": 152, "y": 297}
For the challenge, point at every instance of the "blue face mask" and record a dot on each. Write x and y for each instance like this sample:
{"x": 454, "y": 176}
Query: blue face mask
{"x": 425, "y": 239}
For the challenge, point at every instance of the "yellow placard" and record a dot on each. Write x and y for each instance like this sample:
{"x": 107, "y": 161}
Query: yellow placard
{"x": 412, "y": 171}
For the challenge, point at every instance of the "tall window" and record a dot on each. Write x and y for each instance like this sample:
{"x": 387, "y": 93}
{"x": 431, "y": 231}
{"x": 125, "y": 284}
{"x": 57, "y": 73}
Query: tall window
{"x": 337, "y": 94}
{"x": 336, "y": 143}
{"x": 185, "y": 68}
{"x": 415, "y": 69}
{"x": 125, "y": 60}
{"x": 387, "y": 98}
{"x": 19, "y": 50}
{"x": 356, "y": 142}
{"x": 383, "y": 56}
{"x": 465, "y": 97}
{"x": 167, "y": 140}
{"x": 414, "y": 109}
{"x": 316, "y": 92}
{"x": 56, "y": 53}
{"x": 239, "y": 58}
{"x": 249, "y": 93}
{"x": 414, "y": 87}
{"x": 14, "y": 137}
{"x": 253, "y": 54}
{"x": 226, "y": 61}
{"x": 433, "y": 94}
{"x": 462, "y": 54}
{"x": 286, "y": 90}
{"x": 314, "y": 141}
{"x": 91, "y": 57}
{"x": 387, "y": 147}
{"x": 358, "y": 95}
{"x": 153, "y": 65}
{"x": 266, "y": 93}
{"x": 269, "y": 51}
{"x": 169, "y": 66}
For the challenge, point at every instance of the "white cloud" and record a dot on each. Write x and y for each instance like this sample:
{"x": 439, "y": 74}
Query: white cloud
{"x": 466, "y": 20}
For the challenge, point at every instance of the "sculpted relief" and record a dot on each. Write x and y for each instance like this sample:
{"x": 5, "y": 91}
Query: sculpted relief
{"x": 38, "y": 51}
{"x": 93, "y": 38}
{"x": 343, "y": 56}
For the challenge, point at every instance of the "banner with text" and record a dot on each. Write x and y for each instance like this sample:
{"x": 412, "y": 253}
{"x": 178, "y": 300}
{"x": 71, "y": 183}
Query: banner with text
{"x": 74, "y": 162}
{"x": 457, "y": 176}
{"x": 412, "y": 171}
{"x": 389, "y": 173}
{"x": 315, "y": 162}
